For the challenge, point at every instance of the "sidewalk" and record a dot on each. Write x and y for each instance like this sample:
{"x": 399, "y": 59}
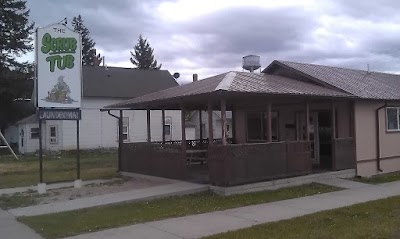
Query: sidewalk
{"x": 173, "y": 189}
{"x": 10, "y": 228}
{"x": 197, "y": 226}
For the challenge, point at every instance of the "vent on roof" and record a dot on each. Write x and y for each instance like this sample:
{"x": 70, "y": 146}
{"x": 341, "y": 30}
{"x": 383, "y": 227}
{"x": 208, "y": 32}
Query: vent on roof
{"x": 251, "y": 62}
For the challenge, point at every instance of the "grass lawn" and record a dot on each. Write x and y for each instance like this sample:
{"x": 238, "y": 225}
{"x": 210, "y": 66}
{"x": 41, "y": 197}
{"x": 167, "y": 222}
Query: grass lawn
{"x": 382, "y": 178}
{"x": 94, "y": 219}
{"x": 372, "y": 220}
{"x": 25, "y": 172}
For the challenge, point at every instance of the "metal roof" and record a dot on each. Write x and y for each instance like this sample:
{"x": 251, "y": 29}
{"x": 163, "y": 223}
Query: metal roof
{"x": 359, "y": 83}
{"x": 119, "y": 82}
{"x": 240, "y": 82}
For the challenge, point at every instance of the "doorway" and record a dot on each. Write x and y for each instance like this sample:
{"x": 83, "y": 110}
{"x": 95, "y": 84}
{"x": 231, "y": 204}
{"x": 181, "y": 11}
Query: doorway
{"x": 320, "y": 130}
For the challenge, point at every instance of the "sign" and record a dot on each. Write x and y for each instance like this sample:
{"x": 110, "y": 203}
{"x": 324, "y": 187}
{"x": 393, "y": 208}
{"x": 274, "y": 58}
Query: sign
{"x": 60, "y": 114}
{"x": 59, "y": 66}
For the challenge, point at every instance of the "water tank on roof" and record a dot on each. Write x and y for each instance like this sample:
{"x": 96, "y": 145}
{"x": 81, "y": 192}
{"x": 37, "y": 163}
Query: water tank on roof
{"x": 251, "y": 62}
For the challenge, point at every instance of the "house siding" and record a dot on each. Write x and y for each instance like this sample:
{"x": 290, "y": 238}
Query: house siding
{"x": 366, "y": 141}
{"x": 98, "y": 129}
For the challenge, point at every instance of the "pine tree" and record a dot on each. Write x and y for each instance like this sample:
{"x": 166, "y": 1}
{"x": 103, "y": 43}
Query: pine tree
{"x": 15, "y": 77}
{"x": 87, "y": 42}
{"x": 143, "y": 57}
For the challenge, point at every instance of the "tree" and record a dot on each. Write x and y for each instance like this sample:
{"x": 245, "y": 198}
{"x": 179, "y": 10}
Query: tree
{"x": 143, "y": 57}
{"x": 15, "y": 77}
{"x": 87, "y": 42}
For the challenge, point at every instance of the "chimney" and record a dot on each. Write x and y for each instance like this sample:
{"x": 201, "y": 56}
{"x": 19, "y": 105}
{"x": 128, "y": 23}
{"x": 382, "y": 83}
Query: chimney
{"x": 195, "y": 77}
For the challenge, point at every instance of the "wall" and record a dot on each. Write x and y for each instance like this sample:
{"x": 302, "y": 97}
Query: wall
{"x": 366, "y": 149}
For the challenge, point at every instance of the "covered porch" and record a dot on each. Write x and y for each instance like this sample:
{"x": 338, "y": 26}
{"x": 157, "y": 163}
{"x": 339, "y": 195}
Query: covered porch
{"x": 272, "y": 136}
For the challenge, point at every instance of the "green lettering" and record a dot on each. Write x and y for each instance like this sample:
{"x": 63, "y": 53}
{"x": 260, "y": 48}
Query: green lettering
{"x": 52, "y": 60}
{"x": 73, "y": 44}
{"x": 69, "y": 61}
{"x": 61, "y": 63}
{"x": 46, "y": 43}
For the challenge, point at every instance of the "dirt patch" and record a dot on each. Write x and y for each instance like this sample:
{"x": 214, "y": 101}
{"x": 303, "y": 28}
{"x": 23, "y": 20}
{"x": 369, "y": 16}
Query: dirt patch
{"x": 64, "y": 194}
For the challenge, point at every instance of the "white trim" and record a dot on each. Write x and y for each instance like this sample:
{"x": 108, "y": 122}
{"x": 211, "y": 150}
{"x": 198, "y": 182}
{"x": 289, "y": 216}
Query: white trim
{"x": 397, "y": 119}
{"x": 226, "y": 81}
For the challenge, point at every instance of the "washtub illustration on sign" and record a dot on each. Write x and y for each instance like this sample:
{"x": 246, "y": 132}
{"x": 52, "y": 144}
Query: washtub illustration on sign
{"x": 60, "y": 93}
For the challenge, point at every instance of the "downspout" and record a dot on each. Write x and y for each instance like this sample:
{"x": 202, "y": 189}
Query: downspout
{"x": 378, "y": 141}
{"x": 119, "y": 138}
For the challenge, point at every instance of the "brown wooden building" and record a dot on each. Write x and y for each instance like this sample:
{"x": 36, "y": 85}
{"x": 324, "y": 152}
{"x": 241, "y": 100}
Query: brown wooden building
{"x": 292, "y": 119}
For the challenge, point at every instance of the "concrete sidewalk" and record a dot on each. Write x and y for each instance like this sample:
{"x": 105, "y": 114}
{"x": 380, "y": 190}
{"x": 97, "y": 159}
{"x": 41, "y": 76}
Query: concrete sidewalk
{"x": 10, "y": 228}
{"x": 173, "y": 189}
{"x": 201, "y": 225}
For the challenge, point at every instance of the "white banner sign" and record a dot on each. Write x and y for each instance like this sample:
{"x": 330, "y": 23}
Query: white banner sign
{"x": 59, "y": 65}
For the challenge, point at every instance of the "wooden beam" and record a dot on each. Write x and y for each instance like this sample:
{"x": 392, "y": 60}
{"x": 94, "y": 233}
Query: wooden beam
{"x": 233, "y": 112}
{"x": 183, "y": 129}
{"x": 333, "y": 120}
{"x": 210, "y": 123}
{"x": 269, "y": 123}
{"x": 163, "y": 125}
{"x": 148, "y": 127}
{"x": 201, "y": 125}
{"x": 223, "y": 121}
{"x": 307, "y": 122}
{"x": 120, "y": 139}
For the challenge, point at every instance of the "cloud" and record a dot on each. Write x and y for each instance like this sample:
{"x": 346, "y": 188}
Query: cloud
{"x": 209, "y": 37}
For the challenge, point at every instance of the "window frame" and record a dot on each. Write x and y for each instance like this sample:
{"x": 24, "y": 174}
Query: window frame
{"x": 56, "y": 134}
{"x": 38, "y": 133}
{"x": 397, "y": 118}
{"x": 263, "y": 116}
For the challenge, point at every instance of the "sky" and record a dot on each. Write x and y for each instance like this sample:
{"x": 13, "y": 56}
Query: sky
{"x": 209, "y": 37}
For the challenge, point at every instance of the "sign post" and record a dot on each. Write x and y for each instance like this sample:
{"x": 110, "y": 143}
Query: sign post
{"x": 58, "y": 87}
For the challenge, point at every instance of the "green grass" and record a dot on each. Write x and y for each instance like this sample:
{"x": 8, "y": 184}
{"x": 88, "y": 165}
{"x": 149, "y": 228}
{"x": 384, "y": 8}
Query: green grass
{"x": 372, "y": 220}
{"x": 382, "y": 178}
{"x": 94, "y": 219}
{"x": 18, "y": 200}
{"x": 25, "y": 172}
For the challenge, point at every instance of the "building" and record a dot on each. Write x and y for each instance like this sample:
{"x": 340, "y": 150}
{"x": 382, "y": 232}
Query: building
{"x": 102, "y": 86}
{"x": 291, "y": 119}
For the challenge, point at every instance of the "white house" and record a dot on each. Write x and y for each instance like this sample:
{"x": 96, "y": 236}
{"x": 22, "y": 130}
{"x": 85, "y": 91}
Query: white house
{"x": 104, "y": 86}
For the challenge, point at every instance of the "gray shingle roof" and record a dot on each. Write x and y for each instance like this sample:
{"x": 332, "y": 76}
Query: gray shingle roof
{"x": 119, "y": 82}
{"x": 242, "y": 82}
{"x": 363, "y": 84}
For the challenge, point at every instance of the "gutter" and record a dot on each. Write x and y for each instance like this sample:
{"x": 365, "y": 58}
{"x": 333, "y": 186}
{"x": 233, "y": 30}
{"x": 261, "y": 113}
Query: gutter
{"x": 378, "y": 141}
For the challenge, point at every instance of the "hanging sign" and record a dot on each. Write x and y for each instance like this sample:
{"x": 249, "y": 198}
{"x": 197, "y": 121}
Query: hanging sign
{"x": 59, "y": 66}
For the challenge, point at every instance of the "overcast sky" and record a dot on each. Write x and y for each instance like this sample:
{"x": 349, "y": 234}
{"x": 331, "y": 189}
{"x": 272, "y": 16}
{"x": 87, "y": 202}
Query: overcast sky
{"x": 211, "y": 36}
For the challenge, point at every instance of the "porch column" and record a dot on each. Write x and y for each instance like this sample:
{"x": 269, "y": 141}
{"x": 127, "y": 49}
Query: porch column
{"x": 233, "y": 126}
{"x": 210, "y": 123}
{"x": 148, "y": 127}
{"x": 201, "y": 126}
{"x": 269, "y": 123}
{"x": 307, "y": 122}
{"x": 163, "y": 125}
{"x": 223, "y": 121}
{"x": 120, "y": 139}
{"x": 333, "y": 120}
{"x": 183, "y": 129}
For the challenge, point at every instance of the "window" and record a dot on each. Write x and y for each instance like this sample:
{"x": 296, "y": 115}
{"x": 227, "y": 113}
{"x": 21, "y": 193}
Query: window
{"x": 167, "y": 129}
{"x": 392, "y": 118}
{"x": 125, "y": 129}
{"x": 53, "y": 135}
{"x": 168, "y": 126}
{"x": 34, "y": 133}
{"x": 257, "y": 126}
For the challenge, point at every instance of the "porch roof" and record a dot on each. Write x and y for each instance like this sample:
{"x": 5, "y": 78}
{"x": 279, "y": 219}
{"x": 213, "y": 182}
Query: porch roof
{"x": 241, "y": 83}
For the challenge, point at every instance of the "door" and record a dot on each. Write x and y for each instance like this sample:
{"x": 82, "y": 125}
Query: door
{"x": 325, "y": 139}
{"x": 313, "y": 131}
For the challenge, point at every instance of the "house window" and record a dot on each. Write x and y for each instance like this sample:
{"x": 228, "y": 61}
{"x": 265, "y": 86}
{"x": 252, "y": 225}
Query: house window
{"x": 125, "y": 129}
{"x": 392, "y": 118}
{"x": 167, "y": 129}
{"x": 257, "y": 126}
{"x": 53, "y": 135}
{"x": 168, "y": 126}
{"x": 34, "y": 133}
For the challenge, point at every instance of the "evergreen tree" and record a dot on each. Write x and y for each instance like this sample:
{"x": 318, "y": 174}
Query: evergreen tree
{"x": 87, "y": 42}
{"x": 143, "y": 57}
{"x": 15, "y": 77}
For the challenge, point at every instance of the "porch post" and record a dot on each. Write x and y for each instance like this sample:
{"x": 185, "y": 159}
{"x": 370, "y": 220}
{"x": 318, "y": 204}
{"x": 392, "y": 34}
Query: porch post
{"x": 233, "y": 126}
{"x": 333, "y": 120}
{"x": 210, "y": 123}
{"x": 183, "y": 125}
{"x": 223, "y": 121}
{"x": 148, "y": 127}
{"x": 201, "y": 126}
{"x": 163, "y": 125}
{"x": 120, "y": 139}
{"x": 269, "y": 123}
{"x": 307, "y": 122}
